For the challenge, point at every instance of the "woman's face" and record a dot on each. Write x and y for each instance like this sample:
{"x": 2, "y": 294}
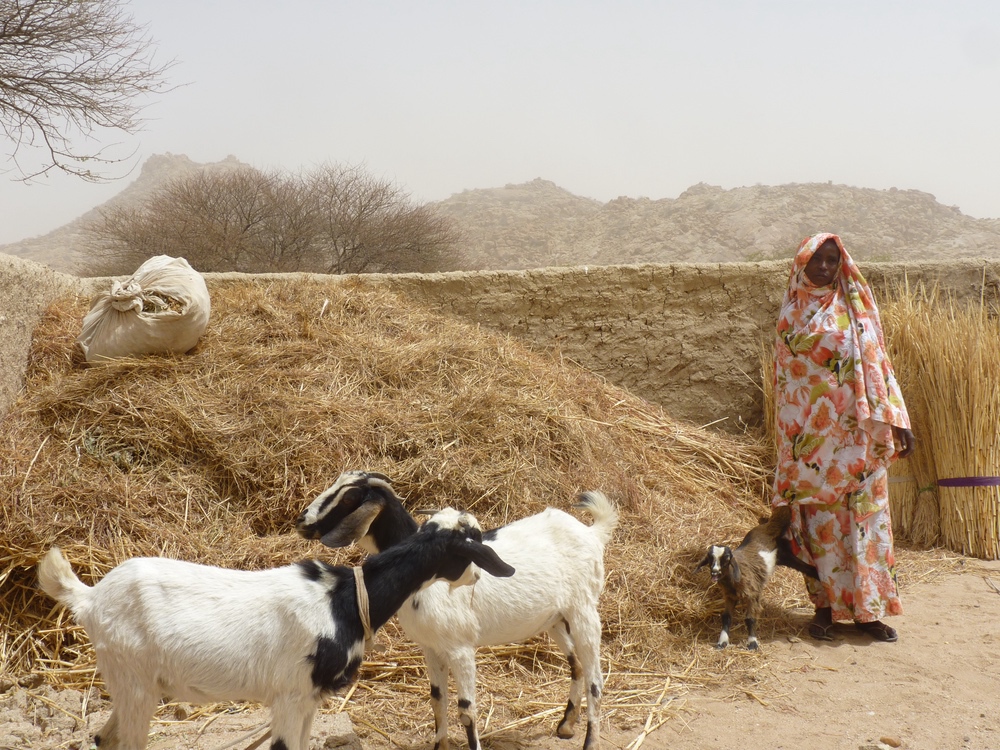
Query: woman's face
{"x": 822, "y": 266}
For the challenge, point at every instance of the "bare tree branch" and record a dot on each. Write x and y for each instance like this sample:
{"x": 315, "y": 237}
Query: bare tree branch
{"x": 70, "y": 69}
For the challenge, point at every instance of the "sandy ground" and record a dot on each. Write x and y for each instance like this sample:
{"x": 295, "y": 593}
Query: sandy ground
{"x": 937, "y": 688}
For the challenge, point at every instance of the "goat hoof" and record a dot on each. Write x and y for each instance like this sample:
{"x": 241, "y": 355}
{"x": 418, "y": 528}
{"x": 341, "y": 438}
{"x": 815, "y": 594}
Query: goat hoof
{"x": 564, "y": 732}
{"x": 720, "y": 646}
{"x": 752, "y": 646}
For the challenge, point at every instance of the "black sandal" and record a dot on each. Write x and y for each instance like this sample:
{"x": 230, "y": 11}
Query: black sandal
{"x": 821, "y": 632}
{"x": 878, "y": 630}
{"x": 821, "y": 628}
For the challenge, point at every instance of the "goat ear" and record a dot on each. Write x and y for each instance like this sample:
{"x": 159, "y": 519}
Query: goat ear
{"x": 735, "y": 566}
{"x": 486, "y": 558}
{"x": 353, "y": 527}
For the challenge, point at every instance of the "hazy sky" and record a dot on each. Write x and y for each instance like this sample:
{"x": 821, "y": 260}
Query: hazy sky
{"x": 603, "y": 98}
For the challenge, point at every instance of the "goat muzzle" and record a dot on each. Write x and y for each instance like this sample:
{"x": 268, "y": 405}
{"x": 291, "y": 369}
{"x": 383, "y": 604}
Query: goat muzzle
{"x": 305, "y": 530}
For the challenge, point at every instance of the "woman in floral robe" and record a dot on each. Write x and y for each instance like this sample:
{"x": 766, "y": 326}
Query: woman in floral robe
{"x": 840, "y": 422}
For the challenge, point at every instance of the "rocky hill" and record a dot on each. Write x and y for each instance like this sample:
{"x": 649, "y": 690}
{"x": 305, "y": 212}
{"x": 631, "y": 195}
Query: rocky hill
{"x": 538, "y": 224}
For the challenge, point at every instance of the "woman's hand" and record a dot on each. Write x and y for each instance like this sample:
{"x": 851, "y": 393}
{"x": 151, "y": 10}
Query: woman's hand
{"x": 905, "y": 439}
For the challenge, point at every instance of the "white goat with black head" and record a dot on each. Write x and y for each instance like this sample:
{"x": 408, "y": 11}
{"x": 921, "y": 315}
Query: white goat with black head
{"x": 284, "y": 637}
{"x": 743, "y": 572}
{"x": 559, "y": 578}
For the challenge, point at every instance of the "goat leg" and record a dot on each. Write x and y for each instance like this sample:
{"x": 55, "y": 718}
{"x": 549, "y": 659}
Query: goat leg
{"x": 752, "y": 643}
{"x": 789, "y": 560}
{"x": 727, "y": 621}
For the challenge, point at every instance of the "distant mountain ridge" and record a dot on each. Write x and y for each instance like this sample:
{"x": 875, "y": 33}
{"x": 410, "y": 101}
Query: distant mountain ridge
{"x": 538, "y": 224}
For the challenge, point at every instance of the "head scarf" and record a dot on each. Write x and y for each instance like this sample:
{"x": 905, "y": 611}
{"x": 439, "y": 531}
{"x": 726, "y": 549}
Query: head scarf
{"x": 836, "y": 396}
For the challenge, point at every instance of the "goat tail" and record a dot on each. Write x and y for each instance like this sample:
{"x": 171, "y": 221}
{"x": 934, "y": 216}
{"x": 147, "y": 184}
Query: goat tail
{"x": 57, "y": 579}
{"x": 780, "y": 520}
{"x": 603, "y": 510}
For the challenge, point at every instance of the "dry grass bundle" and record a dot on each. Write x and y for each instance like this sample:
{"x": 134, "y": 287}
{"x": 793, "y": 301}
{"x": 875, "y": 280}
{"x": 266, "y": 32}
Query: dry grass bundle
{"x": 946, "y": 355}
{"x": 211, "y": 456}
{"x": 913, "y": 480}
{"x": 766, "y": 353}
{"x": 903, "y": 498}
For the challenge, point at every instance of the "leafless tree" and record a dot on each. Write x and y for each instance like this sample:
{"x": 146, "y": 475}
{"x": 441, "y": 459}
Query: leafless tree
{"x": 70, "y": 69}
{"x": 335, "y": 220}
{"x": 370, "y": 225}
{"x": 239, "y": 219}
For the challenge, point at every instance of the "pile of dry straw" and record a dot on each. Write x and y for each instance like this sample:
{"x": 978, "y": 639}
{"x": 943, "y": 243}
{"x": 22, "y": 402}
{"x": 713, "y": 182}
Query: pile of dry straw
{"x": 211, "y": 456}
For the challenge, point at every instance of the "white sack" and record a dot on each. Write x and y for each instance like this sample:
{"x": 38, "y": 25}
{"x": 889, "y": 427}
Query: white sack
{"x": 163, "y": 308}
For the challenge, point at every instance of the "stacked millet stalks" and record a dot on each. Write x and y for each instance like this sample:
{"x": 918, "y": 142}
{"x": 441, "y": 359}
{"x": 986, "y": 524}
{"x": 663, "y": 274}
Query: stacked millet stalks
{"x": 946, "y": 354}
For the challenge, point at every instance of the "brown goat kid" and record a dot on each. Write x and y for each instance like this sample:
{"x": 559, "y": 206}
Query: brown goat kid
{"x": 743, "y": 572}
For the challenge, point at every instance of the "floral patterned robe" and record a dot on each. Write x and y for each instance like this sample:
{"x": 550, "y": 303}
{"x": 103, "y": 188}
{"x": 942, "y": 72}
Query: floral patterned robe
{"x": 836, "y": 401}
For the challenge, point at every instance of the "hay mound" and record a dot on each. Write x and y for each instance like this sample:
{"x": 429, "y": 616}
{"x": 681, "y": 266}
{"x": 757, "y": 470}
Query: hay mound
{"x": 211, "y": 456}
